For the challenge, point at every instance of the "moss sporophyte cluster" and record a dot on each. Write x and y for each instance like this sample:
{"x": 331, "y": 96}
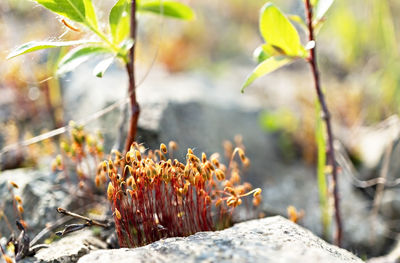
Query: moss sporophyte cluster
{"x": 153, "y": 197}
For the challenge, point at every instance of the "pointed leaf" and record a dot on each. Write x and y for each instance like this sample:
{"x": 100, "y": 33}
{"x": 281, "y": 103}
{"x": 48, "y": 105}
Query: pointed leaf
{"x": 38, "y": 45}
{"x": 103, "y": 65}
{"x": 90, "y": 13}
{"x": 321, "y": 8}
{"x": 72, "y": 9}
{"x": 279, "y": 32}
{"x": 266, "y": 67}
{"x": 170, "y": 9}
{"x": 78, "y": 55}
{"x": 119, "y": 20}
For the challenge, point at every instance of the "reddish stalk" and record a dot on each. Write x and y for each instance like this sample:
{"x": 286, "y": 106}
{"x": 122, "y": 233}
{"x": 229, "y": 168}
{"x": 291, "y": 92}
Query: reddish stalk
{"x": 130, "y": 68}
{"x": 312, "y": 60}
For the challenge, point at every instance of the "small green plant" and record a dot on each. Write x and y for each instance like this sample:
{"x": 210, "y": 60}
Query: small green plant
{"x": 115, "y": 42}
{"x": 283, "y": 46}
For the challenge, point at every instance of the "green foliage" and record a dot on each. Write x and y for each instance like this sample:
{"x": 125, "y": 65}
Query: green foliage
{"x": 267, "y": 66}
{"x": 170, "y": 9}
{"x": 83, "y": 12}
{"x": 38, "y": 45}
{"x": 119, "y": 20}
{"x": 279, "y": 33}
{"x": 282, "y": 41}
{"x": 71, "y": 9}
{"x": 78, "y": 55}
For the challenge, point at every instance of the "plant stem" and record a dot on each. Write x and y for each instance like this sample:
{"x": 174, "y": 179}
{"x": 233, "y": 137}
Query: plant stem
{"x": 312, "y": 60}
{"x": 130, "y": 68}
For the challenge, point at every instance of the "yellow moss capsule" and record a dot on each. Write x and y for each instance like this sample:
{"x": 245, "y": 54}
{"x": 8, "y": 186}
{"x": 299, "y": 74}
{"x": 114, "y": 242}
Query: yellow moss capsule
{"x": 7, "y": 259}
{"x": 218, "y": 202}
{"x": 138, "y": 156}
{"x": 14, "y": 184}
{"x": 163, "y": 148}
{"x": 110, "y": 164}
{"x": 257, "y": 192}
{"x": 173, "y": 146}
{"x": 246, "y": 162}
{"x": 229, "y": 190}
{"x": 219, "y": 174}
{"x": 129, "y": 181}
{"x": 215, "y": 162}
{"x": 104, "y": 166}
{"x": 235, "y": 177}
{"x": 23, "y": 223}
{"x": 117, "y": 214}
{"x": 231, "y": 201}
{"x": 18, "y": 199}
{"x": 203, "y": 158}
{"x": 128, "y": 157}
{"x": 257, "y": 200}
{"x": 20, "y": 209}
{"x": 241, "y": 154}
{"x": 110, "y": 191}
{"x": 186, "y": 188}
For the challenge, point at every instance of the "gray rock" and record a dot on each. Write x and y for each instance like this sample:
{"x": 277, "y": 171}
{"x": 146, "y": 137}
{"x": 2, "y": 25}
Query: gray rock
{"x": 40, "y": 198}
{"x": 392, "y": 257}
{"x": 69, "y": 249}
{"x": 297, "y": 186}
{"x": 273, "y": 239}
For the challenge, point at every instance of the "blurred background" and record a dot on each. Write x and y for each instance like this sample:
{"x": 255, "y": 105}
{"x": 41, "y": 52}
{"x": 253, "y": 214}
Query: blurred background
{"x": 190, "y": 75}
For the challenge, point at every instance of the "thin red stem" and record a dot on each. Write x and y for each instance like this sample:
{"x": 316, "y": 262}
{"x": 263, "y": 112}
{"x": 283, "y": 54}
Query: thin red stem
{"x": 327, "y": 118}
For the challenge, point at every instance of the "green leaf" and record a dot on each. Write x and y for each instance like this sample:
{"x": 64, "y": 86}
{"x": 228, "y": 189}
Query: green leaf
{"x": 260, "y": 55}
{"x": 119, "y": 20}
{"x": 278, "y": 32}
{"x": 38, "y": 45}
{"x": 321, "y": 8}
{"x": 103, "y": 65}
{"x": 90, "y": 13}
{"x": 299, "y": 21}
{"x": 266, "y": 67}
{"x": 72, "y": 9}
{"x": 170, "y": 9}
{"x": 78, "y": 55}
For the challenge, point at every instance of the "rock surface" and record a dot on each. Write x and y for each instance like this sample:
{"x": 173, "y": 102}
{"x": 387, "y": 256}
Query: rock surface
{"x": 40, "y": 198}
{"x": 273, "y": 239}
{"x": 68, "y": 249}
